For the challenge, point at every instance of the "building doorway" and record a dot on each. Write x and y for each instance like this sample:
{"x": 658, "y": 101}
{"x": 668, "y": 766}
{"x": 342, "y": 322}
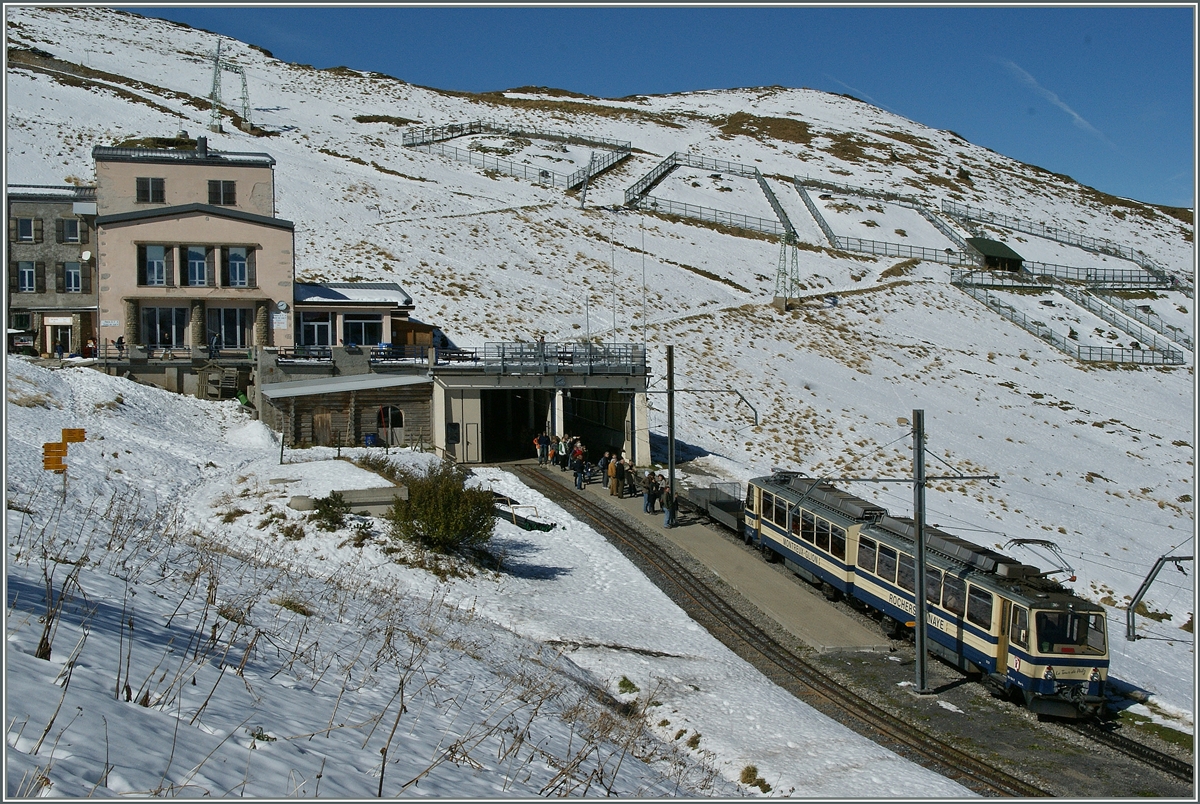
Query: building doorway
{"x": 322, "y": 426}
{"x": 390, "y": 423}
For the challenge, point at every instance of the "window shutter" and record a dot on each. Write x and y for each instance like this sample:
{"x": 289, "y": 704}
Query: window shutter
{"x": 14, "y": 277}
{"x": 59, "y": 233}
{"x": 85, "y": 277}
{"x": 60, "y": 277}
{"x": 12, "y": 230}
{"x": 251, "y": 269}
{"x": 214, "y": 191}
{"x": 83, "y": 231}
{"x": 39, "y": 269}
{"x": 210, "y": 264}
{"x": 224, "y": 267}
{"x": 141, "y": 265}
{"x": 169, "y": 259}
{"x": 37, "y": 230}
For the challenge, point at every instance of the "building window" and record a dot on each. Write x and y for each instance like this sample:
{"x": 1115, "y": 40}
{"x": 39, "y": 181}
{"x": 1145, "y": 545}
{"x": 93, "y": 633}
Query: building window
{"x": 238, "y": 274}
{"x": 361, "y": 329}
{"x": 25, "y": 230}
{"x": 73, "y": 277}
{"x": 231, "y": 325}
{"x": 315, "y": 329}
{"x": 164, "y": 326}
{"x": 156, "y": 265}
{"x": 26, "y": 278}
{"x": 223, "y": 193}
{"x": 197, "y": 265}
{"x": 151, "y": 191}
{"x": 70, "y": 230}
{"x": 19, "y": 320}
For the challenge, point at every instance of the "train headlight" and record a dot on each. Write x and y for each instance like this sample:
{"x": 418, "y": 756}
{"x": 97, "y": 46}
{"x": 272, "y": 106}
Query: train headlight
{"x": 1048, "y": 674}
{"x": 1095, "y": 674}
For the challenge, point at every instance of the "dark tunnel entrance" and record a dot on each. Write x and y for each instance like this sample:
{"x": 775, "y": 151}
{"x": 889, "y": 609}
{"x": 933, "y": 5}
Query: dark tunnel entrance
{"x": 511, "y": 419}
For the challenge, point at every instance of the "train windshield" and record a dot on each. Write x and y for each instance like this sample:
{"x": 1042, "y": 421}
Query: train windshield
{"x": 1068, "y": 632}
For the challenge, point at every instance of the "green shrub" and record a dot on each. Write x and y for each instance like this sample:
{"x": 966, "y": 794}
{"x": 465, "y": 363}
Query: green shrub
{"x": 441, "y": 513}
{"x": 626, "y": 687}
{"x": 330, "y": 512}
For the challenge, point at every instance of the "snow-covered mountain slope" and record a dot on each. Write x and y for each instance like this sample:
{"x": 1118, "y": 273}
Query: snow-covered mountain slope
{"x": 1099, "y": 460}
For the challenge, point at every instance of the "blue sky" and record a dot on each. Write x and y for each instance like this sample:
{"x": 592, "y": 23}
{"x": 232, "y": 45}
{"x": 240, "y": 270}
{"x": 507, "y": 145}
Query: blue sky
{"x": 1105, "y": 95}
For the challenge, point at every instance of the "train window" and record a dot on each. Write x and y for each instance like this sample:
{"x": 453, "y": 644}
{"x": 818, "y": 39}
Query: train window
{"x": 750, "y": 509}
{"x": 887, "y": 564}
{"x": 1069, "y": 632}
{"x": 781, "y": 509}
{"x": 837, "y": 541}
{"x": 954, "y": 595}
{"x": 1018, "y": 634}
{"x": 866, "y": 553}
{"x": 809, "y": 529}
{"x": 933, "y": 585}
{"x": 822, "y": 535}
{"x": 796, "y": 517}
{"x": 906, "y": 574}
{"x": 979, "y": 607}
{"x": 1097, "y": 632}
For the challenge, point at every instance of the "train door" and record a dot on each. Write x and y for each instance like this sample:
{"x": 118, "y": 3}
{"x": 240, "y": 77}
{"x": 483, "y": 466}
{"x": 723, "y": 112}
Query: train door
{"x": 750, "y": 521}
{"x": 1002, "y": 637}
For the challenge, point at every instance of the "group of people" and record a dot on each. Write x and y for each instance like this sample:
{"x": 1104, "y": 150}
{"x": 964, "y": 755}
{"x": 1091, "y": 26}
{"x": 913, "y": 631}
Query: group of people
{"x": 565, "y": 452}
{"x": 569, "y": 453}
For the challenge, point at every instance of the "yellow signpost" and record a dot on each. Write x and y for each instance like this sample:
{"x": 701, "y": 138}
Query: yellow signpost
{"x": 54, "y": 454}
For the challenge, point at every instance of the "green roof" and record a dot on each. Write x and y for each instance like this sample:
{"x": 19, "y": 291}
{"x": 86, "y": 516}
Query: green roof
{"x": 993, "y": 248}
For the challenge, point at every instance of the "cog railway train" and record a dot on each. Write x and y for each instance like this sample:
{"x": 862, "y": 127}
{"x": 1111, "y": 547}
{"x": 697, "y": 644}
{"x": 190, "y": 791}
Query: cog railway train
{"x": 1026, "y": 635}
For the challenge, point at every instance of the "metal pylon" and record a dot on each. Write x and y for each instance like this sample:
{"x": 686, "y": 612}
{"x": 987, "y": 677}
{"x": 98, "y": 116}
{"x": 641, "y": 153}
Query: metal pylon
{"x": 219, "y": 65}
{"x": 787, "y": 276}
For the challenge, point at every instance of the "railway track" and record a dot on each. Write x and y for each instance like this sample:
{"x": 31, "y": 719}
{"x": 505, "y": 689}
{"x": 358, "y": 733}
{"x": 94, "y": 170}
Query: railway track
{"x": 710, "y": 608}
{"x": 1164, "y": 762}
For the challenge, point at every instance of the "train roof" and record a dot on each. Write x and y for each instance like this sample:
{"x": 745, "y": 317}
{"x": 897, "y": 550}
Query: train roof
{"x": 825, "y": 494}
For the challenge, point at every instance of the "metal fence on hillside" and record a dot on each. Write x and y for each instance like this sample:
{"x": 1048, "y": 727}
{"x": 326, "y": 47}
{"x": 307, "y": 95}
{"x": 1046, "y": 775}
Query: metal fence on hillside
{"x": 734, "y": 219}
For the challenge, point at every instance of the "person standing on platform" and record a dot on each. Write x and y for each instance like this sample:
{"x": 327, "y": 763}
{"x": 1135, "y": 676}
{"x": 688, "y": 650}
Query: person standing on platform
{"x": 668, "y": 505}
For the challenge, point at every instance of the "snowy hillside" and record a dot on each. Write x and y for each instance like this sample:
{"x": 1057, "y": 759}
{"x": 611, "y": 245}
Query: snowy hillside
{"x": 1099, "y": 460}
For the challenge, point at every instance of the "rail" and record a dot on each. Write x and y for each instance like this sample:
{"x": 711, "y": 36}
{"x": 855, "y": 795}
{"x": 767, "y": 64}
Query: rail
{"x": 704, "y": 163}
{"x": 1118, "y": 319}
{"x": 538, "y": 175}
{"x": 1092, "y": 354}
{"x": 1060, "y": 235}
{"x": 668, "y": 207}
{"x": 1151, "y": 321}
{"x": 784, "y": 220}
{"x": 399, "y": 352}
{"x": 1094, "y": 276}
{"x": 882, "y": 195}
{"x": 816, "y": 213}
{"x": 643, "y": 185}
{"x": 947, "y": 256}
{"x": 564, "y": 358}
{"x": 306, "y": 354}
{"x": 954, "y": 237}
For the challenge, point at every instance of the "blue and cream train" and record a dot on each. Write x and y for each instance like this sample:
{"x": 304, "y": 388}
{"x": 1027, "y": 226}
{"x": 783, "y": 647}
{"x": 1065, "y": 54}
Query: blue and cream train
{"x": 1024, "y": 633}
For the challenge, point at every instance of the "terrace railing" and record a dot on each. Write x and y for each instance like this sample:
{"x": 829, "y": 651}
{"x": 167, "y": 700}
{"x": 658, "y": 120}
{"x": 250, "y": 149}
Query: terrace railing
{"x": 564, "y": 358}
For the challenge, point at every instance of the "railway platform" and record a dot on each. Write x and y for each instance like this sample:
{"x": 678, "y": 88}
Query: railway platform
{"x": 787, "y": 600}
